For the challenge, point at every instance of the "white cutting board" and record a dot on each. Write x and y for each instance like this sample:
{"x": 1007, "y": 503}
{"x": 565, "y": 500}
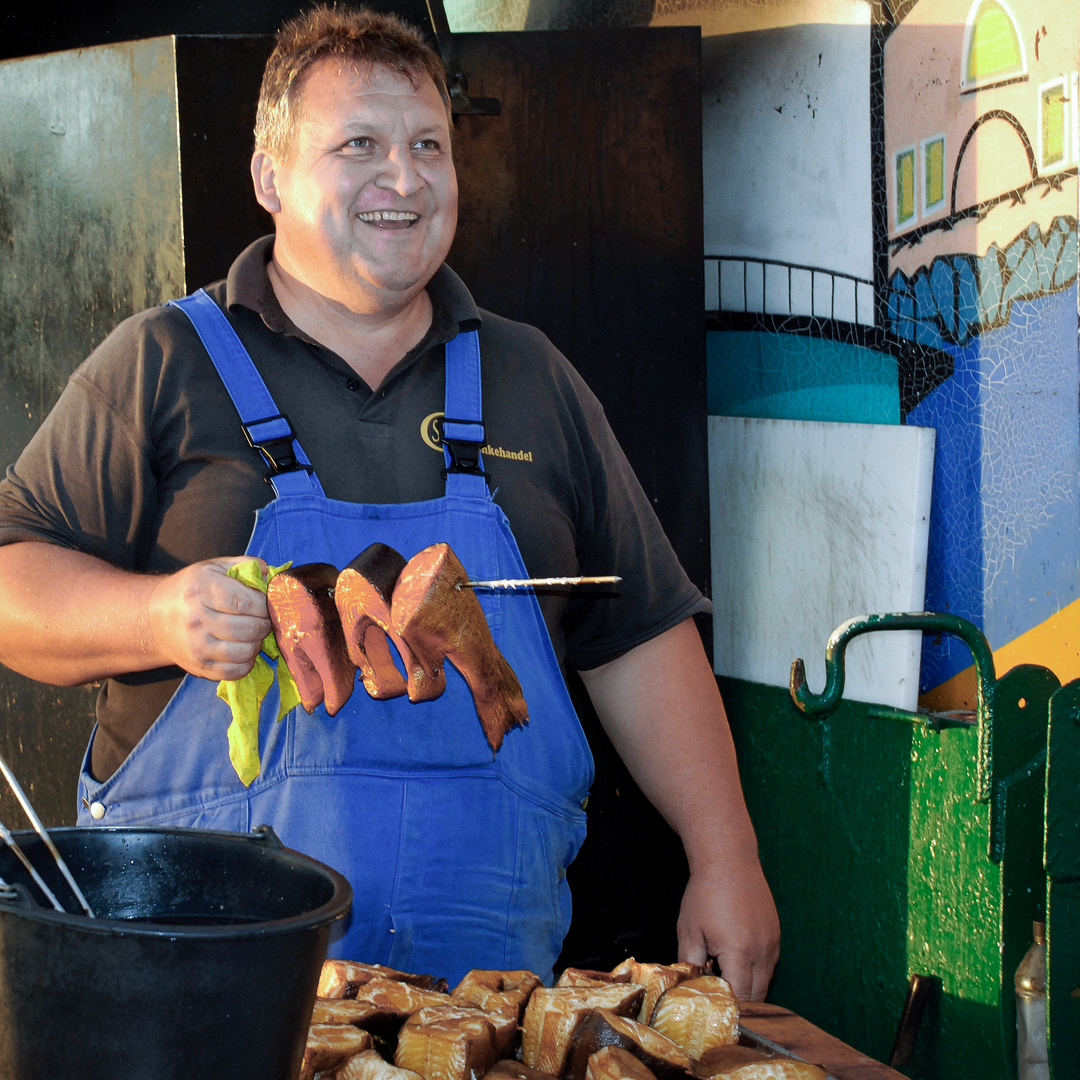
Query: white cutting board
{"x": 812, "y": 524}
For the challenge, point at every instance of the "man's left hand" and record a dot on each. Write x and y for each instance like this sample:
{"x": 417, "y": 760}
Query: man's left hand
{"x": 729, "y": 914}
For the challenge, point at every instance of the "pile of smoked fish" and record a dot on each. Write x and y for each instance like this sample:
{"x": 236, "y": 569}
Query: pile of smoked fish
{"x": 636, "y": 1022}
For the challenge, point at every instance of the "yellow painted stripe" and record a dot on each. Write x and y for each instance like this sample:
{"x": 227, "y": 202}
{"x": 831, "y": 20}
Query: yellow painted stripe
{"x": 1054, "y": 644}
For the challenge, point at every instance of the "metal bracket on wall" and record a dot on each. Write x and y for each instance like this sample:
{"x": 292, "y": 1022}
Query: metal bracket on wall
{"x": 456, "y": 83}
{"x": 1015, "y": 690}
{"x": 820, "y": 705}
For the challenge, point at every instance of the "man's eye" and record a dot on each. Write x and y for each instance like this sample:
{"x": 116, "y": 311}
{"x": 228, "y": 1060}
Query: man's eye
{"x": 361, "y": 142}
{"x": 426, "y": 144}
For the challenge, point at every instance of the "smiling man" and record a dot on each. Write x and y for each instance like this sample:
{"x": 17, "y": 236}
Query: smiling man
{"x": 331, "y": 353}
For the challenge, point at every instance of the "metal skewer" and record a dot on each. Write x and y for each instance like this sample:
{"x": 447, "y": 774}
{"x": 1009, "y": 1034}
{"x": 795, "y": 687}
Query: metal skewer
{"x": 5, "y": 835}
{"x": 522, "y": 583}
{"x": 28, "y": 807}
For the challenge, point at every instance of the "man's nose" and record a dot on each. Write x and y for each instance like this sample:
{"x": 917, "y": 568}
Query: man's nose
{"x": 399, "y": 172}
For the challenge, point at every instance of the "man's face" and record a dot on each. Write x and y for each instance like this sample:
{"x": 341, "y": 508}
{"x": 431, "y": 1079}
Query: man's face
{"x": 367, "y": 202}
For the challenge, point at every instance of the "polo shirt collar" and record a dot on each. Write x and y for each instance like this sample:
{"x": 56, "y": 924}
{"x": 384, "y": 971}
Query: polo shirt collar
{"x": 248, "y": 285}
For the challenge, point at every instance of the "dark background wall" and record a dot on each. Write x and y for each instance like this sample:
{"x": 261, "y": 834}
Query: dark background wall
{"x": 67, "y": 24}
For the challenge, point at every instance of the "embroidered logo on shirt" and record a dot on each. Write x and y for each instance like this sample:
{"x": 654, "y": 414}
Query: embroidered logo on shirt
{"x": 431, "y": 433}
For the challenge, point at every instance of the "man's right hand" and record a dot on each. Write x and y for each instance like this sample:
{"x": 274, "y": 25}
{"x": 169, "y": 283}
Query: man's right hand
{"x": 68, "y": 618}
{"x": 207, "y": 622}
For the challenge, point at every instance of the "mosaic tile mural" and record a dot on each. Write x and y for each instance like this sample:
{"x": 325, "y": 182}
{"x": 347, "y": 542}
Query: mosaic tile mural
{"x": 981, "y": 148}
{"x": 891, "y": 237}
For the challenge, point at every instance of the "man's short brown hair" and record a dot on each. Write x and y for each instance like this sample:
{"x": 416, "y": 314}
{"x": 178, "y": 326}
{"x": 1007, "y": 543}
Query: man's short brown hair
{"x": 359, "y": 36}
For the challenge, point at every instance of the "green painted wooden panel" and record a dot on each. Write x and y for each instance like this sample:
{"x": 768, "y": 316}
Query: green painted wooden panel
{"x": 877, "y": 847}
{"x": 830, "y": 802}
{"x": 1063, "y": 882}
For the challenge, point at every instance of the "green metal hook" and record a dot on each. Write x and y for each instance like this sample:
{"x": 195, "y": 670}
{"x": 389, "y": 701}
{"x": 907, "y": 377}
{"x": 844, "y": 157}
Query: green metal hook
{"x": 820, "y": 705}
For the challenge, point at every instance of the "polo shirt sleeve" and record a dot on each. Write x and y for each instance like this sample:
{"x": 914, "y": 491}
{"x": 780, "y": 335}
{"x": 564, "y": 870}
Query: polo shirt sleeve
{"x": 86, "y": 480}
{"x": 142, "y": 462}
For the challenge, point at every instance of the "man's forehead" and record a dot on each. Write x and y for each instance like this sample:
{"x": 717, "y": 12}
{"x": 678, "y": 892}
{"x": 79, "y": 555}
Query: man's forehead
{"x": 348, "y": 76}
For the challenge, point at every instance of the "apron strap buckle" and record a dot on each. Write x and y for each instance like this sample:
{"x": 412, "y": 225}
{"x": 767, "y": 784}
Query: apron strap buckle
{"x": 463, "y": 440}
{"x": 273, "y": 437}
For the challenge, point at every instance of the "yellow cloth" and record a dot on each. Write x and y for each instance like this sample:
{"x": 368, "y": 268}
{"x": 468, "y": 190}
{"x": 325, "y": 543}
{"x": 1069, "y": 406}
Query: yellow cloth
{"x": 245, "y": 696}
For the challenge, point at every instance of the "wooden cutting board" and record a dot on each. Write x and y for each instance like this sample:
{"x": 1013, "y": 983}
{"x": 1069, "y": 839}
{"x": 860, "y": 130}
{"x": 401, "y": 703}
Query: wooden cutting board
{"x": 774, "y": 1028}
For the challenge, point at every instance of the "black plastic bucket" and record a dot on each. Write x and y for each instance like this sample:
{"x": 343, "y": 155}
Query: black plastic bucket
{"x": 201, "y": 965}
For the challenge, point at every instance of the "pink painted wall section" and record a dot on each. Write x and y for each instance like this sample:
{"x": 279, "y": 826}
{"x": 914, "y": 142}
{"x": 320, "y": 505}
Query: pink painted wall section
{"x": 1003, "y": 123}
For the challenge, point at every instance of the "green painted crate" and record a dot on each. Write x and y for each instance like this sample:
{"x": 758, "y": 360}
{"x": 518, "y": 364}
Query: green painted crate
{"x": 897, "y": 844}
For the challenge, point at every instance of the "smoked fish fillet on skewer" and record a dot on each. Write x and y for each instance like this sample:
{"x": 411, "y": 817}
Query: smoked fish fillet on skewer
{"x": 440, "y": 621}
{"x": 362, "y": 596}
{"x": 300, "y": 601}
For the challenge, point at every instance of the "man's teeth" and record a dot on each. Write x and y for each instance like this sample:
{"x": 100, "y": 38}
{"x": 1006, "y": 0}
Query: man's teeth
{"x": 388, "y": 215}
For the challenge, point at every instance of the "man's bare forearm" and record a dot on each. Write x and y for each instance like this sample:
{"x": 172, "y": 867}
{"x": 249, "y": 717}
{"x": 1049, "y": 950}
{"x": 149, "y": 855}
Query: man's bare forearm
{"x": 662, "y": 711}
{"x": 68, "y": 618}
{"x": 665, "y": 718}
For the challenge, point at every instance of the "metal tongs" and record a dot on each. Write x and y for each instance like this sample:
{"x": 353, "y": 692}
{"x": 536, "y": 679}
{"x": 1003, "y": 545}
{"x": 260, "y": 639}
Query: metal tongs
{"x": 6, "y": 836}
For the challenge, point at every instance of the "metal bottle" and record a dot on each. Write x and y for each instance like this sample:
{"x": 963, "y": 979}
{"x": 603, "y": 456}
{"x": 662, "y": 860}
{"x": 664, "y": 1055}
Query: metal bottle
{"x": 1030, "y": 983}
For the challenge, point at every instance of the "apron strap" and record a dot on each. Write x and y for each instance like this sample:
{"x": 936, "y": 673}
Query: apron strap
{"x": 267, "y": 429}
{"x": 463, "y": 418}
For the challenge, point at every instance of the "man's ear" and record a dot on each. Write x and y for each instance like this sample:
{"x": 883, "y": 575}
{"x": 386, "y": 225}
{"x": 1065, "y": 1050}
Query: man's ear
{"x": 264, "y": 177}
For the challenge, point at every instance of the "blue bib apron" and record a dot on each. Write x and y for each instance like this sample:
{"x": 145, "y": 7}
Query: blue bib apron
{"x": 456, "y": 860}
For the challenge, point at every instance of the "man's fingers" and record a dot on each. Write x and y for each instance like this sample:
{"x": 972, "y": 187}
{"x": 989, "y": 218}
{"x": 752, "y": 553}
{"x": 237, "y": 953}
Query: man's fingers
{"x": 226, "y": 594}
{"x": 730, "y": 915}
{"x": 692, "y": 945}
{"x": 741, "y": 977}
{"x": 762, "y": 977}
{"x": 233, "y": 612}
{"x": 226, "y": 659}
{"x": 208, "y": 623}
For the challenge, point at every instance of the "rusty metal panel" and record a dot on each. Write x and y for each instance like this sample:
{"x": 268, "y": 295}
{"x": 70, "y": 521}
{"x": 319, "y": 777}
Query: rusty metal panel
{"x": 90, "y": 232}
{"x": 89, "y": 207}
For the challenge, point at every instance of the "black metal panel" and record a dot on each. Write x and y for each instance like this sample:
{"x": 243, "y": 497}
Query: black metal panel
{"x": 217, "y": 87}
{"x": 581, "y": 213}
{"x": 43, "y": 733}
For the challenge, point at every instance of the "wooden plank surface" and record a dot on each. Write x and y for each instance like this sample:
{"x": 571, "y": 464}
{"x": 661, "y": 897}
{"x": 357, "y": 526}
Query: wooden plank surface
{"x": 777, "y": 1027}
